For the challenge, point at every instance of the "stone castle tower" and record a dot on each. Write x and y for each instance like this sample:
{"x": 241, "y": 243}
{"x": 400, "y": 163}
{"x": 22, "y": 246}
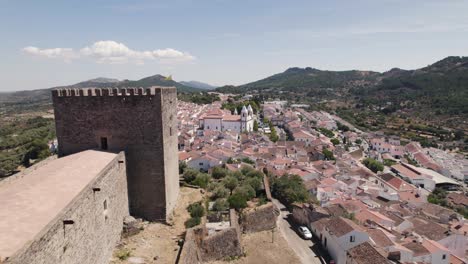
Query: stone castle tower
{"x": 140, "y": 122}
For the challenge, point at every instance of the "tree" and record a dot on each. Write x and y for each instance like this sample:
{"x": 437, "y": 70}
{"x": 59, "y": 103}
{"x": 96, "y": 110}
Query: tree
{"x": 273, "y": 135}
{"x": 38, "y": 150}
{"x": 255, "y": 126}
{"x": 220, "y": 192}
{"x": 373, "y": 165}
{"x": 335, "y": 141}
{"x": 255, "y": 174}
{"x": 246, "y": 190}
{"x": 230, "y": 182}
{"x": 255, "y": 183}
{"x": 190, "y": 175}
{"x": 218, "y": 173}
{"x": 182, "y": 166}
{"x": 358, "y": 141}
{"x": 290, "y": 189}
{"x": 237, "y": 201}
{"x": 202, "y": 180}
{"x": 246, "y": 169}
{"x": 328, "y": 154}
{"x": 221, "y": 205}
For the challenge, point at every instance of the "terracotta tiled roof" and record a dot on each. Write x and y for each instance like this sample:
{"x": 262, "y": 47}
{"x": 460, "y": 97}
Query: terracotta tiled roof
{"x": 340, "y": 226}
{"x": 417, "y": 248}
{"x": 366, "y": 254}
{"x": 379, "y": 237}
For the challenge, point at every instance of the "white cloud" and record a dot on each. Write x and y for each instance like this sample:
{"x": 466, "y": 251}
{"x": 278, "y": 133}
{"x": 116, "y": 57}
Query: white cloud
{"x": 112, "y": 52}
{"x": 66, "y": 54}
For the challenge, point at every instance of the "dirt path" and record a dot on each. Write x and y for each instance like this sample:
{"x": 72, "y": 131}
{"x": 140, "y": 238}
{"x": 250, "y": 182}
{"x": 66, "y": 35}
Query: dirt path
{"x": 157, "y": 243}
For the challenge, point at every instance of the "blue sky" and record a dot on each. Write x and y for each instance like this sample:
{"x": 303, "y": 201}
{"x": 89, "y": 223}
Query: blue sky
{"x": 49, "y": 43}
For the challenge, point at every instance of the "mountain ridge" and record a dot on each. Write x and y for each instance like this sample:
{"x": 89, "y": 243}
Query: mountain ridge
{"x": 44, "y": 95}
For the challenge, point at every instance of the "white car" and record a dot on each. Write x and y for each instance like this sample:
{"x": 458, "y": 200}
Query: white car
{"x": 305, "y": 232}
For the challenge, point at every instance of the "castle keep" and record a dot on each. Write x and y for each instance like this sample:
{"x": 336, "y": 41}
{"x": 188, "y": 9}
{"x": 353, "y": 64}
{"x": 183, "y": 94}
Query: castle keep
{"x": 140, "y": 122}
{"x": 117, "y": 156}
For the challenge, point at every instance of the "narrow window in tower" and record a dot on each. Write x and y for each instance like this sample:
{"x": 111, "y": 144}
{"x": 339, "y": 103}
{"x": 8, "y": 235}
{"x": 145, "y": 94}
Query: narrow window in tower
{"x": 170, "y": 131}
{"x": 104, "y": 143}
{"x": 105, "y": 210}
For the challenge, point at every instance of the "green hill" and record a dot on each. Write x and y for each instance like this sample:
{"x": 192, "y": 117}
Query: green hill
{"x": 441, "y": 87}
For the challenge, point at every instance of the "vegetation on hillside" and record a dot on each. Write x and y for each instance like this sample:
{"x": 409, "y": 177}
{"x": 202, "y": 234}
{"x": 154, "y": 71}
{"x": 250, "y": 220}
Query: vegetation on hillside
{"x": 22, "y": 141}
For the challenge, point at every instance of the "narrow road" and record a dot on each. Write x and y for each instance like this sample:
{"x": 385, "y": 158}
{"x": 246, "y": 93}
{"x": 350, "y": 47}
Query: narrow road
{"x": 302, "y": 248}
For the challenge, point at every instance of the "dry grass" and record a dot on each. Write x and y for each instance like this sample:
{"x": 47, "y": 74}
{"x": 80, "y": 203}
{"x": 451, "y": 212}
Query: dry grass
{"x": 157, "y": 243}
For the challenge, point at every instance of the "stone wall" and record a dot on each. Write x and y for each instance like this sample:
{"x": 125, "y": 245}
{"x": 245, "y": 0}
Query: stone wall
{"x": 200, "y": 247}
{"x": 190, "y": 251}
{"x": 259, "y": 218}
{"x": 141, "y": 122}
{"x": 222, "y": 244}
{"x": 84, "y": 232}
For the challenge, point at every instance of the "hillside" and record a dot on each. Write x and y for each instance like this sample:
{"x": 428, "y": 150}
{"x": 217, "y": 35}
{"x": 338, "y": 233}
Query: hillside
{"x": 438, "y": 90}
{"x": 198, "y": 85}
{"x": 42, "y": 96}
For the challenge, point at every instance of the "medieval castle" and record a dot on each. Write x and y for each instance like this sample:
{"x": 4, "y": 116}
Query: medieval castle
{"x": 117, "y": 157}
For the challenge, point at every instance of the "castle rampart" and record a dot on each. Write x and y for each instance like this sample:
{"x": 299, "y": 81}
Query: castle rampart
{"x": 66, "y": 211}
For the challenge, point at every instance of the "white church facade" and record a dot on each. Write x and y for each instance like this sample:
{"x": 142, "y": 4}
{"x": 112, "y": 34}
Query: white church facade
{"x": 223, "y": 120}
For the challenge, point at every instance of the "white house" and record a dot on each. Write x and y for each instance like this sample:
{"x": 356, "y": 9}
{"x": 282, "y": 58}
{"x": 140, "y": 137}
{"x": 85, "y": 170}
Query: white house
{"x": 203, "y": 162}
{"x": 337, "y": 235}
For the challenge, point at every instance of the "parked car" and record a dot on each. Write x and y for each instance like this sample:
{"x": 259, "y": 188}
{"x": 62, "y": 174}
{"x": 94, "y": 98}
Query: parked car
{"x": 305, "y": 232}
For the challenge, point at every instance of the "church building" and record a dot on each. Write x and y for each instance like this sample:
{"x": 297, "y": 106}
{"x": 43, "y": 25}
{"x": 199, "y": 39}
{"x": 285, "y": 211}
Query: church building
{"x": 223, "y": 120}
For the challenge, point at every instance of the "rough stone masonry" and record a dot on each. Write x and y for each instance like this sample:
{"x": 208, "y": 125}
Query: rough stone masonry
{"x": 142, "y": 123}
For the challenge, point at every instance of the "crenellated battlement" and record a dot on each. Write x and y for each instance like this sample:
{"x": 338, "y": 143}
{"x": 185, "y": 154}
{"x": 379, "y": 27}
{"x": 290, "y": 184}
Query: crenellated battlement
{"x": 92, "y": 91}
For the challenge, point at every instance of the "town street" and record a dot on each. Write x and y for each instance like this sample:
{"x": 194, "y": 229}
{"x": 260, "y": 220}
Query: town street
{"x": 302, "y": 248}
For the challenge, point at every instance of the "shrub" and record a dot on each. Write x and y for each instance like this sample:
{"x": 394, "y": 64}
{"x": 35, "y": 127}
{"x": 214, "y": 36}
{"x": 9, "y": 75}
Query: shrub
{"x": 327, "y": 132}
{"x": 246, "y": 190}
{"x": 221, "y": 205}
{"x": 220, "y": 192}
{"x": 335, "y": 141}
{"x": 246, "y": 169}
{"x": 202, "y": 180}
{"x": 328, "y": 154}
{"x": 389, "y": 162}
{"x": 237, "y": 201}
{"x": 213, "y": 185}
{"x": 218, "y": 173}
{"x": 373, "y": 165}
{"x": 196, "y": 209}
{"x": 123, "y": 254}
{"x": 248, "y": 161}
{"x": 190, "y": 175}
{"x": 194, "y": 221}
